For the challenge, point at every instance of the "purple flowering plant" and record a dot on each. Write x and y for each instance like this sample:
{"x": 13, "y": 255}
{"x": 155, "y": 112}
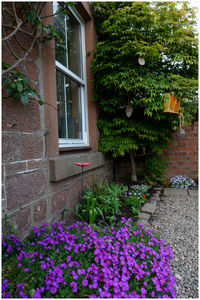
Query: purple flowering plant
{"x": 86, "y": 261}
{"x": 181, "y": 182}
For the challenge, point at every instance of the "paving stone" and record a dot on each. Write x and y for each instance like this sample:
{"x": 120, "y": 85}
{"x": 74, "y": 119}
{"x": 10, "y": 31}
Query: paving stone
{"x": 152, "y": 201}
{"x": 193, "y": 193}
{"x": 155, "y": 198}
{"x": 158, "y": 189}
{"x": 144, "y": 216}
{"x": 149, "y": 208}
{"x": 175, "y": 192}
{"x": 143, "y": 222}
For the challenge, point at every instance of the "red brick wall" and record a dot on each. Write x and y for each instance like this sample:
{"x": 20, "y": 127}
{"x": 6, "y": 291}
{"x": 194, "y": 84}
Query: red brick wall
{"x": 183, "y": 154}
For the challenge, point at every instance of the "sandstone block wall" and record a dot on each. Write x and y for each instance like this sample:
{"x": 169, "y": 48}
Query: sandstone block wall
{"x": 30, "y": 140}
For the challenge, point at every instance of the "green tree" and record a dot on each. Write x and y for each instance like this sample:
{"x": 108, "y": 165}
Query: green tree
{"x": 144, "y": 50}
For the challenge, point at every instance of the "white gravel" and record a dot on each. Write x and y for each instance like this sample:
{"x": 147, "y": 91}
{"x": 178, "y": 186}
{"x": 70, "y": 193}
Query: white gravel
{"x": 176, "y": 220}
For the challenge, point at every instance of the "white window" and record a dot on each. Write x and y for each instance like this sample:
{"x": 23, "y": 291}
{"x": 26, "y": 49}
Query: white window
{"x": 71, "y": 81}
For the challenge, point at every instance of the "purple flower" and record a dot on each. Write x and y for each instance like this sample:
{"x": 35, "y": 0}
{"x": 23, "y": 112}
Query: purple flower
{"x": 84, "y": 282}
{"x": 73, "y": 285}
{"x": 22, "y": 295}
{"x": 143, "y": 291}
{"x": 9, "y": 248}
{"x": 53, "y": 289}
{"x": 20, "y": 286}
{"x": 37, "y": 293}
{"x": 26, "y": 270}
{"x": 152, "y": 294}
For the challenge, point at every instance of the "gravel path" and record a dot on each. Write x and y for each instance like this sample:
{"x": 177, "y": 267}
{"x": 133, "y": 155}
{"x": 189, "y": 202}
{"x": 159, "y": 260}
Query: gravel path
{"x": 177, "y": 221}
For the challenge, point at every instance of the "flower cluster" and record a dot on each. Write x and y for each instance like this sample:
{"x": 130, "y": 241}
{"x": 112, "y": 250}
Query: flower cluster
{"x": 181, "y": 182}
{"x": 138, "y": 191}
{"x": 126, "y": 261}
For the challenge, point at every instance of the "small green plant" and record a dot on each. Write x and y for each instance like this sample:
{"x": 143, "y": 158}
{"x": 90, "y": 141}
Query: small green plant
{"x": 108, "y": 197}
{"x": 88, "y": 210}
{"x": 135, "y": 202}
{"x": 9, "y": 229}
{"x": 136, "y": 196}
{"x": 155, "y": 169}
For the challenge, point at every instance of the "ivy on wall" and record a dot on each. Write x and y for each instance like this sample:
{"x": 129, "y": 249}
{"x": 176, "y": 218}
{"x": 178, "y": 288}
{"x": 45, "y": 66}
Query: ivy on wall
{"x": 144, "y": 51}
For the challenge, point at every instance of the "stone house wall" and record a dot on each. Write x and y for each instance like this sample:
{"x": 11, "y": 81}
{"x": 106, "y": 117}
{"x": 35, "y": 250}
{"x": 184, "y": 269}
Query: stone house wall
{"x": 38, "y": 180}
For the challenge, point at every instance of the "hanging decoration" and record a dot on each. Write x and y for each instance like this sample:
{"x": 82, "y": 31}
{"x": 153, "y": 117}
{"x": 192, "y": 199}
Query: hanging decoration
{"x": 171, "y": 104}
{"x": 181, "y": 133}
{"x": 141, "y": 61}
{"x": 129, "y": 110}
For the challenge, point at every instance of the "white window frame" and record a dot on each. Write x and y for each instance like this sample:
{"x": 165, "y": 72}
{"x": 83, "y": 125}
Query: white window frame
{"x": 70, "y": 143}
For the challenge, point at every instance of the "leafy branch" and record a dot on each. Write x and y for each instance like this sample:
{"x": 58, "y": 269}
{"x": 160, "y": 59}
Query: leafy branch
{"x": 22, "y": 20}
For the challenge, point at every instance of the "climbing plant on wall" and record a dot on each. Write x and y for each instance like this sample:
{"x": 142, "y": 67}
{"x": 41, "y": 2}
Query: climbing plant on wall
{"x": 24, "y": 24}
{"x": 144, "y": 51}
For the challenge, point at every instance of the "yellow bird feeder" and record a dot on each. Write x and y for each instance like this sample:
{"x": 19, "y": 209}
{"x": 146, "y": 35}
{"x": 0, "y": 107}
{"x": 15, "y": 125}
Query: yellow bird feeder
{"x": 171, "y": 104}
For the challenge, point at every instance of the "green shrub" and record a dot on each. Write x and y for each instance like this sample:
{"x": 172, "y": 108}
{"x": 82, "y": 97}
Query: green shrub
{"x": 102, "y": 201}
{"x": 155, "y": 169}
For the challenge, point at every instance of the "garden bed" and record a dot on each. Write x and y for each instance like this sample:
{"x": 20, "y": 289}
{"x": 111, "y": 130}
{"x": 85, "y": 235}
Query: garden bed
{"x": 109, "y": 258}
{"x": 82, "y": 261}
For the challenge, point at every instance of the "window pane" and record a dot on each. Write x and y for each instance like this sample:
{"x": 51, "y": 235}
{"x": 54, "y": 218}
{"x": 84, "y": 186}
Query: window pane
{"x": 61, "y": 104}
{"x": 59, "y": 22}
{"x": 74, "y": 44}
{"x": 73, "y": 104}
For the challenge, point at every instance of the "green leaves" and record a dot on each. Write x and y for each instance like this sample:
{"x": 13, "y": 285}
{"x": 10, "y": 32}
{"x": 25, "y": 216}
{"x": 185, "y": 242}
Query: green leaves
{"x": 24, "y": 99}
{"x": 161, "y": 33}
{"x": 18, "y": 86}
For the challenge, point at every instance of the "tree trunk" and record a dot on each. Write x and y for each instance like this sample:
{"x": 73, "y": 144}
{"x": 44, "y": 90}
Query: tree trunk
{"x": 133, "y": 168}
{"x": 116, "y": 171}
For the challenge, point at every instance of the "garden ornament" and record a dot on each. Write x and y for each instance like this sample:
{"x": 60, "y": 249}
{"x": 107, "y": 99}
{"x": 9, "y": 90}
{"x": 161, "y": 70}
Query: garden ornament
{"x": 129, "y": 111}
{"x": 141, "y": 61}
{"x": 181, "y": 133}
{"x": 82, "y": 165}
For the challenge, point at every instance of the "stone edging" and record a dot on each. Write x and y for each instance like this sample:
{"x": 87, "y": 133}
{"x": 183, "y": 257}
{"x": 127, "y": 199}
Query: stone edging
{"x": 150, "y": 207}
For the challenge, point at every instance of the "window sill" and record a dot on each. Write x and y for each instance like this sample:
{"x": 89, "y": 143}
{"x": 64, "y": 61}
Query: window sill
{"x": 63, "y": 166}
{"x": 69, "y": 149}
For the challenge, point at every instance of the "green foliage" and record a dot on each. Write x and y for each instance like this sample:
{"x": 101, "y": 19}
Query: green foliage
{"x": 88, "y": 211}
{"x": 164, "y": 35}
{"x": 136, "y": 196}
{"x": 101, "y": 201}
{"x": 8, "y": 227}
{"x": 18, "y": 85}
{"x": 155, "y": 168}
{"x": 15, "y": 83}
{"x": 108, "y": 198}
